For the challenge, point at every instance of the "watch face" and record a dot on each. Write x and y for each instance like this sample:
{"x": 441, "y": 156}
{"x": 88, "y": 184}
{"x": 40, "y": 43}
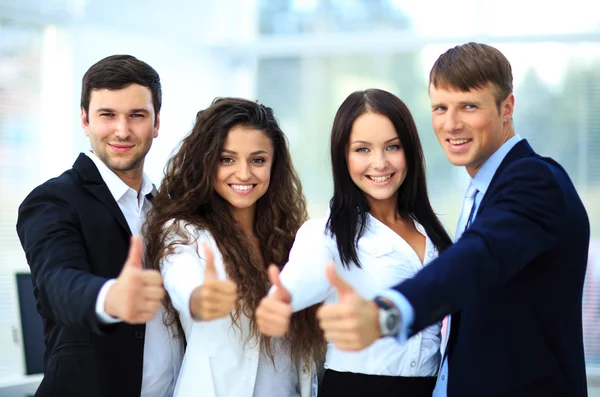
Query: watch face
{"x": 391, "y": 322}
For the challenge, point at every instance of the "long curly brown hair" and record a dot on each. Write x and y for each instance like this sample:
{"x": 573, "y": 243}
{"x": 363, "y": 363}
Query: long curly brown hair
{"x": 187, "y": 195}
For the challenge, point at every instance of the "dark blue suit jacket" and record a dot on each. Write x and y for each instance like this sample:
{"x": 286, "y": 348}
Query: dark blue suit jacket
{"x": 75, "y": 238}
{"x": 513, "y": 283}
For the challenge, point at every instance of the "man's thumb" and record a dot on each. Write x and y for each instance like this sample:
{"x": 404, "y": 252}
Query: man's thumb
{"x": 341, "y": 286}
{"x": 281, "y": 292}
{"x": 134, "y": 258}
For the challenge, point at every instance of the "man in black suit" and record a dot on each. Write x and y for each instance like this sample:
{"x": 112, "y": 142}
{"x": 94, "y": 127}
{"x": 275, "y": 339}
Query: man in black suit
{"x": 513, "y": 281}
{"x": 103, "y": 328}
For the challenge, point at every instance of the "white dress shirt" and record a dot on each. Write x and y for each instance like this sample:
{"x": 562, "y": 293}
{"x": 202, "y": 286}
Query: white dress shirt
{"x": 219, "y": 360}
{"x": 386, "y": 260}
{"x": 162, "y": 352}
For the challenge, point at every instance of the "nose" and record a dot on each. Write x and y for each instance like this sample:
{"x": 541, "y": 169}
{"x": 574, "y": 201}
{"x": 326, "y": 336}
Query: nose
{"x": 243, "y": 172}
{"x": 379, "y": 160}
{"x": 452, "y": 121}
{"x": 122, "y": 126}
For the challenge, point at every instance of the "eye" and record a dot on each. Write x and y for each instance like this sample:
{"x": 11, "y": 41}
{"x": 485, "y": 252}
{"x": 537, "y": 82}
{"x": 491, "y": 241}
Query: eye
{"x": 362, "y": 150}
{"x": 470, "y": 106}
{"x": 258, "y": 160}
{"x": 440, "y": 109}
{"x": 393, "y": 147}
{"x": 137, "y": 115}
{"x": 226, "y": 160}
{"x": 107, "y": 114}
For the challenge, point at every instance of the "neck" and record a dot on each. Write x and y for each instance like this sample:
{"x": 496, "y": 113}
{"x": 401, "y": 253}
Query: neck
{"x": 132, "y": 178}
{"x": 385, "y": 211}
{"x": 507, "y": 133}
{"x": 244, "y": 217}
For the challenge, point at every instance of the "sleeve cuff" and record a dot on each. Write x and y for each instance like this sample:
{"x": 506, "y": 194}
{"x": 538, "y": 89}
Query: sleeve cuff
{"x": 104, "y": 317}
{"x": 406, "y": 311}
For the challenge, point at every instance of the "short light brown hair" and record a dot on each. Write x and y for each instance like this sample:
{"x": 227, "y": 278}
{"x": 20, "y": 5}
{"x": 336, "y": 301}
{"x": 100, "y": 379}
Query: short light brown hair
{"x": 473, "y": 66}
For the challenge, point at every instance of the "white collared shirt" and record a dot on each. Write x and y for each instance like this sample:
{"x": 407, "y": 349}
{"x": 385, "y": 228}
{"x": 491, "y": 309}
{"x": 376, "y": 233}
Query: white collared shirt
{"x": 386, "y": 260}
{"x": 162, "y": 353}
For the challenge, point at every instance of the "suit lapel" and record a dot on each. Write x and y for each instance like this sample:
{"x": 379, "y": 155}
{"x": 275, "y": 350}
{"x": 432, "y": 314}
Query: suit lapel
{"x": 93, "y": 183}
{"x": 519, "y": 151}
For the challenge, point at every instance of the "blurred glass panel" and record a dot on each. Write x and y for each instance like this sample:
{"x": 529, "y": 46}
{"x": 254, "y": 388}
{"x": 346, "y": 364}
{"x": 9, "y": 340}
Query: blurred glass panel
{"x": 536, "y": 17}
{"x": 439, "y": 18}
{"x": 20, "y": 111}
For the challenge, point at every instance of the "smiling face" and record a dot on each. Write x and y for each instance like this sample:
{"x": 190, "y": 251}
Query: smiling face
{"x": 469, "y": 125}
{"x": 375, "y": 158}
{"x": 121, "y": 125}
{"x": 244, "y": 171}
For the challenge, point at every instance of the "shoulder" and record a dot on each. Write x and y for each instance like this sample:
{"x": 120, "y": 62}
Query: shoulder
{"x": 178, "y": 228}
{"x": 55, "y": 192}
{"x": 315, "y": 227}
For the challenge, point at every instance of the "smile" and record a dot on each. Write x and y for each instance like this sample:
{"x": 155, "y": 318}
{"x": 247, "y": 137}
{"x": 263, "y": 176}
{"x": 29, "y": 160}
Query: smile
{"x": 459, "y": 141}
{"x": 380, "y": 178}
{"x": 243, "y": 189}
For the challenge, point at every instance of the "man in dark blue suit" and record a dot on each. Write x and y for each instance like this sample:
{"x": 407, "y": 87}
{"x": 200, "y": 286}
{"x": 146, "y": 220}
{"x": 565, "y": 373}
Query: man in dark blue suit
{"x": 512, "y": 283}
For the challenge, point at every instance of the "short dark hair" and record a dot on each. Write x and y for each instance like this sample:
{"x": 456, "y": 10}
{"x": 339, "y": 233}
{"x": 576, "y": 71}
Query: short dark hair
{"x": 119, "y": 71}
{"x": 473, "y": 66}
{"x": 349, "y": 206}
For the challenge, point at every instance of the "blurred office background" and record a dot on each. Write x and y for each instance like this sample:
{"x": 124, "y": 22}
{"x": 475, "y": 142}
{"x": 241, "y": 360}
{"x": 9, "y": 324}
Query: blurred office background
{"x": 301, "y": 57}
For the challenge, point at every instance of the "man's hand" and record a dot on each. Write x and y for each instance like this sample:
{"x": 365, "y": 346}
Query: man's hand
{"x": 215, "y": 298}
{"x": 136, "y": 295}
{"x": 353, "y": 322}
{"x": 274, "y": 310}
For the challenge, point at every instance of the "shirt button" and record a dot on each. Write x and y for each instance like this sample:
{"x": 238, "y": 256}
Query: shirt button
{"x": 443, "y": 377}
{"x": 430, "y": 253}
{"x": 374, "y": 251}
{"x": 417, "y": 336}
{"x": 412, "y": 364}
{"x": 139, "y": 335}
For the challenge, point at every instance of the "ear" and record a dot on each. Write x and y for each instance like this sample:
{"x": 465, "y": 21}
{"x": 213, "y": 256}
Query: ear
{"x": 508, "y": 107}
{"x": 156, "y": 124}
{"x": 84, "y": 122}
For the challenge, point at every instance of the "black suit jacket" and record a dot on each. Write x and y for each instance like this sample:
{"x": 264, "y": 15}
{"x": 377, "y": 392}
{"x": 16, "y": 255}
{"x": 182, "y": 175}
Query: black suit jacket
{"x": 75, "y": 238}
{"x": 513, "y": 283}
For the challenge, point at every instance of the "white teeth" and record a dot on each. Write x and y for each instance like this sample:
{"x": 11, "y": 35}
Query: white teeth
{"x": 380, "y": 178}
{"x": 458, "y": 141}
{"x": 242, "y": 187}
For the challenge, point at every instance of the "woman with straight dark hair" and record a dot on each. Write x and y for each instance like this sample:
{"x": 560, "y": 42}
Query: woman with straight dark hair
{"x": 381, "y": 230}
{"x": 231, "y": 190}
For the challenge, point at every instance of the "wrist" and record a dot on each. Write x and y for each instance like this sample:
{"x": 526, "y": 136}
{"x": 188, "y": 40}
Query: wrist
{"x": 389, "y": 317}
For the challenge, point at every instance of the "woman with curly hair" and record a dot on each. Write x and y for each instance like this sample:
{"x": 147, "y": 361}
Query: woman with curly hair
{"x": 381, "y": 230}
{"x": 230, "y": 203}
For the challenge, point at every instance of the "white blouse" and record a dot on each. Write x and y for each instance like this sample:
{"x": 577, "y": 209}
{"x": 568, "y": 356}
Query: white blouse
{"x": 386, "y": 260}
{"x": 219, "y": 361}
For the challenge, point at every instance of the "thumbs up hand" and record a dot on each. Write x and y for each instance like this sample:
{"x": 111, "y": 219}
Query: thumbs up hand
{"x": 353, "y": 322}
{"x": 137, "y": 292}
{"x": 274, "y": 310}
{"x": 215, "y": 298}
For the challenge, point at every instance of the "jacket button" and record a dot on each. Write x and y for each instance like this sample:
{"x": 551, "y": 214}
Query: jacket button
{"x": 139, "y": 335}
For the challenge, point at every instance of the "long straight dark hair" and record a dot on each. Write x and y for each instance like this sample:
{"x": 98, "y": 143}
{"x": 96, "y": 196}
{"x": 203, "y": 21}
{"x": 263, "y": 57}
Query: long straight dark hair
{"x": 349, "y": 206}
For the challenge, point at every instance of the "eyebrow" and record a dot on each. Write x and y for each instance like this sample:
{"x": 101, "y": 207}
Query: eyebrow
{"x": 251, "y": 154}
{"x": 368, "y": 143}
{"x": 461, "y": 103}
{"x": 110, "y": 110}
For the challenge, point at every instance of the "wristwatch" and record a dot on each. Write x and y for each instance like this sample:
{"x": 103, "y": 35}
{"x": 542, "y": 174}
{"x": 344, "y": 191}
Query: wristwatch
{"x": 389, "y": 317}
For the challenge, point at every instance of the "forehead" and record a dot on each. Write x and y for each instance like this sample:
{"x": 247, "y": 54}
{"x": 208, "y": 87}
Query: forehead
{"x": 372, "y": 127}
{"x": 134, "y": 96}
{"x": 452, "y": 94}
{"x": 244, "y": 139}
